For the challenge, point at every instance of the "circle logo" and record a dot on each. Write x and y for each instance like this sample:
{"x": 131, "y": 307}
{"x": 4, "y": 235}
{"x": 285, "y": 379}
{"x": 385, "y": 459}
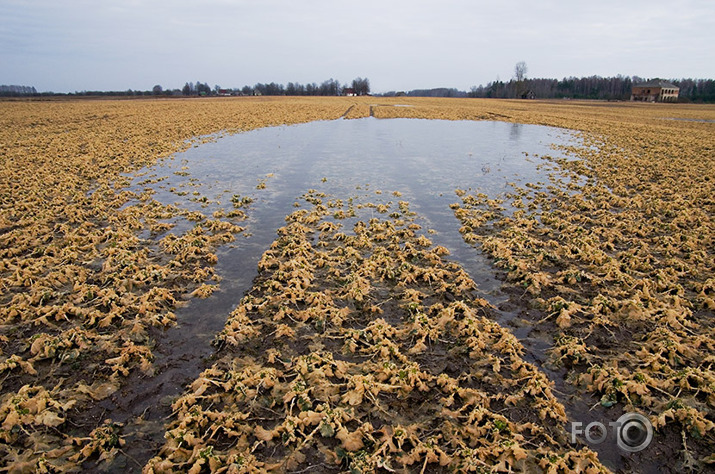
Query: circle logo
{"x": 634, "y": 432}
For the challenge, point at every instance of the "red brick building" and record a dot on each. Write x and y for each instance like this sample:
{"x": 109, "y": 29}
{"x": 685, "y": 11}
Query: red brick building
{"x": 655, "y": 91}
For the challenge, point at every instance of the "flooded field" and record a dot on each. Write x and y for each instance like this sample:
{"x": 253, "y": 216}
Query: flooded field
{"x": 382, "y": 161}
{"x": 371, "y": 164}
{"x": 356, "y": 295}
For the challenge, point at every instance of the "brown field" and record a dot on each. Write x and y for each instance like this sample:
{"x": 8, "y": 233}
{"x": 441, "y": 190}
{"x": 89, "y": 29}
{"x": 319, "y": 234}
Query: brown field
{"x": 362, "y": 352}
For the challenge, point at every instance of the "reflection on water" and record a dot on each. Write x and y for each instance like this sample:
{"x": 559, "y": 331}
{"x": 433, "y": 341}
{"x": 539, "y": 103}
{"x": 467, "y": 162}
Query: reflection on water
{"x": 358, "y": 161}
{"x": 424, "y": 160}
{"x": 515, "y": 131}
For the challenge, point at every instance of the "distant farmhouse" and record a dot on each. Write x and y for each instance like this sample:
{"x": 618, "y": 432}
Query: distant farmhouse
{"x": 655, "y": 91}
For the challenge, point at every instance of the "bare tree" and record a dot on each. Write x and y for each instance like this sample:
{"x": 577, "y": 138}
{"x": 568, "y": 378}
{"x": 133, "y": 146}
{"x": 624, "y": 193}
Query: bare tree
{"x": 520, "y": 71}
{"x": 519, "y": 84}
{"x": 361, "y": 86}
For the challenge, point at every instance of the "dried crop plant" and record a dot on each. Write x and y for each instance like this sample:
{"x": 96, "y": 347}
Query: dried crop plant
{"x": 366, "y": 351}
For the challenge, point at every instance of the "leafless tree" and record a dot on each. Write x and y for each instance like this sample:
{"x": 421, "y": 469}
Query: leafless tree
{"x": 361, "y": 86}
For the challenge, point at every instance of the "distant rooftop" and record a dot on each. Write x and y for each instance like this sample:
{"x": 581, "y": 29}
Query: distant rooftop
{"x": 657, "y": 83}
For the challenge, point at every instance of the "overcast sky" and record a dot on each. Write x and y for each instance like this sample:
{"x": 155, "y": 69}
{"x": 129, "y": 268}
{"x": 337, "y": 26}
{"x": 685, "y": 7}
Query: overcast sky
{"x": 75, "y": 45}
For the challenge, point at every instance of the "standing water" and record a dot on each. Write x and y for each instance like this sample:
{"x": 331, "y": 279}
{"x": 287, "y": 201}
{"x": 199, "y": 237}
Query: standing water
{"x": 425, "y": 161}
{"x": 420, "y": 161}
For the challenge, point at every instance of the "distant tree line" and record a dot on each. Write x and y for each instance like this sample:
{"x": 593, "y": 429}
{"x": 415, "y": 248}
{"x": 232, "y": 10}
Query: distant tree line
{"x": 697, "y": 90}
{"x": 195, "y": 89}
{"x": 437, "y": 92}
{"x": 15, "y": 91}
{"x": 32, "y": 92}
{"x": 594, "y": 87}
{"x": 330, "y": 87}
{"x": 326, "y": 88}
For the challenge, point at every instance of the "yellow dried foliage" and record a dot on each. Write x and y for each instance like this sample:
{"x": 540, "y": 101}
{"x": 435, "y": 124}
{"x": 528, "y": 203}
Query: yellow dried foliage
{"x": 80, "y": 290}
{"x": 309, "y": 368}
{"x": 622, "y": 263}
{"x": 629, "y": 249}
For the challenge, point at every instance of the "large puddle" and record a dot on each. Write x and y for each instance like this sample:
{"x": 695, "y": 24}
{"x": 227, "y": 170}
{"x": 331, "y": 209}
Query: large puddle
{"x": 368, "y": 161}
{"x": 423, "y": 161}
